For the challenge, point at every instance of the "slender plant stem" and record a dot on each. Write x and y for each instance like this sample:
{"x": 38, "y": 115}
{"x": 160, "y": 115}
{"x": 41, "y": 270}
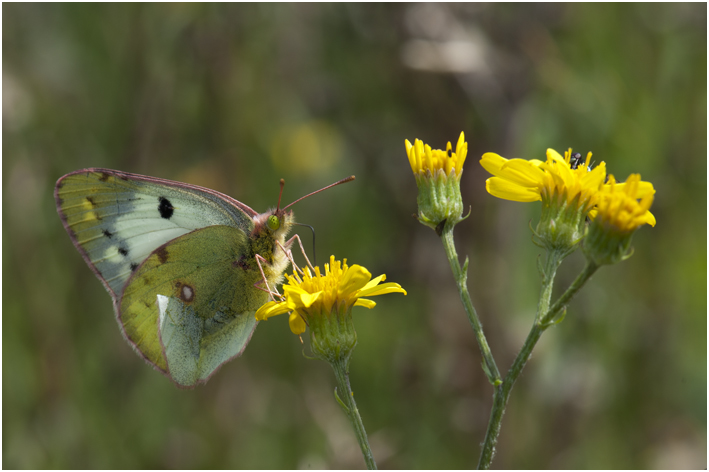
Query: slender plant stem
{"x": 347, "y": 402}
{"x": 545, "y": 318}
{"x": 461, "y": 279}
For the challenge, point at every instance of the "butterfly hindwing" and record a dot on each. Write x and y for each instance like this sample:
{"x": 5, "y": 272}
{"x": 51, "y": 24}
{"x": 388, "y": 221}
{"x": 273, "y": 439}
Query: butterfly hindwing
{"x": 190, "y": 306}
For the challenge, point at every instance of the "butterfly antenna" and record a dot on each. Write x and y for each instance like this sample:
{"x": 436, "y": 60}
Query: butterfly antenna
{"x": 315, "y": 257}
{"x": 348, "y": 179}
{"x": 283, "y": 182}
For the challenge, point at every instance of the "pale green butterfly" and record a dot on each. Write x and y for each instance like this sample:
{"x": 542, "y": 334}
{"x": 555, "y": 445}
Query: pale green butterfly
{"x": 182, "y": 263}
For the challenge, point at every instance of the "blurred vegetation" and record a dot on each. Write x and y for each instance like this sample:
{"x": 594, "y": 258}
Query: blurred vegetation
{"x": 234, "y": 97}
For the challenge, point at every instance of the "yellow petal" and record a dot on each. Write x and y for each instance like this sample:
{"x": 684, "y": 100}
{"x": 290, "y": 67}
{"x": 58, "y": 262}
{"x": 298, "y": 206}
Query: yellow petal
{"x": 365, "y": 303}
{"x": 411, "y": 153}
{"x": 643, "y": 188}
{"x": 554, "y": 170}
{"x": 595, "y": 178}
{"x": 461, "y": 144}
{"x": 650, "y": 219}
{"x": 382, "y": 289}
{"x": 374, "y": 282}
{"x": 296, "y": 297}
{"x": 271, "y": 309}
{"x": 559, "y": 168}
{"x": 554, "y": 156}
{"x": 428, "y": 157}
{"x": 461, "y": 151}
{"x": 505, "y": 189}
{"x": 354, "y": 279}
{"x": 420, "y": 154}
{"x": 449, "y": 162}
{"x": 492, "y": 162}
{"x": 296, "y": 323}
{"x": 645, "y": 204}
{"x": 522, "y": 172}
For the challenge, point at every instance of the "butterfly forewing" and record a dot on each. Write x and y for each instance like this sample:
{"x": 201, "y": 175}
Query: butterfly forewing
{"x": 117, "y": 219}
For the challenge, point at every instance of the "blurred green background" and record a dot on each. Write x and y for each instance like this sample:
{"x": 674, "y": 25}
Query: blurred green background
{"x": 234, "y": 97}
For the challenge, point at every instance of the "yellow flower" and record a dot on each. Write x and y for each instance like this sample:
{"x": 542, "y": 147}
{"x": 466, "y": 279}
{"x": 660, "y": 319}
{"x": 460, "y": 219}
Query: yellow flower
{"x": 437, "y": 176}
{"x": 528, "y": 181}
{"x": 427, "y": 161}
{"x": 313, "y": 296}
{"x": 567, "y": 186}
{"x": 619, "y": 214}
{"x": 619, "y": 206}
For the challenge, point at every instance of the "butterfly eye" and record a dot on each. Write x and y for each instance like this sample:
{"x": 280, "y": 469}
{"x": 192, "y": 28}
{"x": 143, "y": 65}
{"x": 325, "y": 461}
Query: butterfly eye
{"x": 273, "y": 223}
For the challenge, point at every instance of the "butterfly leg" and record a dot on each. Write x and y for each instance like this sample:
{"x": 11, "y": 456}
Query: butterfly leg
{"x": 271, "y": 293}
{"x": 289, "y": 256}
{"x": 302, "y": 249}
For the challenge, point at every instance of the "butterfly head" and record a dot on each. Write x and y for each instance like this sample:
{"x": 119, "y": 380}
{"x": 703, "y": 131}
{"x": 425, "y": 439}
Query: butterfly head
{"x": 270, "y": 231}
{"x": 277, "y": 221}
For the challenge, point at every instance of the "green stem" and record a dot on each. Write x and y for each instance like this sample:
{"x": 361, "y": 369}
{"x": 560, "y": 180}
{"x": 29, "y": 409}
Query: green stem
{"x": 350, "y": 407}
{"x": 461, "y": 279}
{"x": 544, "y": 319}
{"x": 583, "y": 277}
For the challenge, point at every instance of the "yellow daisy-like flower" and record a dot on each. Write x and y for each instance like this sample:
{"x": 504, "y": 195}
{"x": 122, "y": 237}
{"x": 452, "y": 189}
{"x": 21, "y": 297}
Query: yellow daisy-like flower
{"x": 622, "y": 209}
{"x": 567, "y": 186}
{"x": 427, "y": 161}
{"x": 323, "y": 303}
{"x": 528, "y": 181}
{"x": 619, "y": 206}
{"x": 339, "y": 289}
{"x": 437, "y": 174}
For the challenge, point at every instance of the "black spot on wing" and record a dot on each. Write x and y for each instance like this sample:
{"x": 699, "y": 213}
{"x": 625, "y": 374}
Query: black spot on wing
{"x": 165, "y": 208}
{"x": 162, "y": 255}
{"x": 107, "y": 233}
{"x": 91, "y": 201}
{"x": 123, "y": 251}
{"x": 133, "y": 266}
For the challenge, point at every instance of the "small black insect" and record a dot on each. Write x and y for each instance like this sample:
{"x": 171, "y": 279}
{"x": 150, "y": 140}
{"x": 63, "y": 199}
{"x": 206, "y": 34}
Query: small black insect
{"x": 576, "y": 160}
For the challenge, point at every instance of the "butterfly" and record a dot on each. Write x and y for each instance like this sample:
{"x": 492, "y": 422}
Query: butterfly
{"x": 184, "y": 265}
